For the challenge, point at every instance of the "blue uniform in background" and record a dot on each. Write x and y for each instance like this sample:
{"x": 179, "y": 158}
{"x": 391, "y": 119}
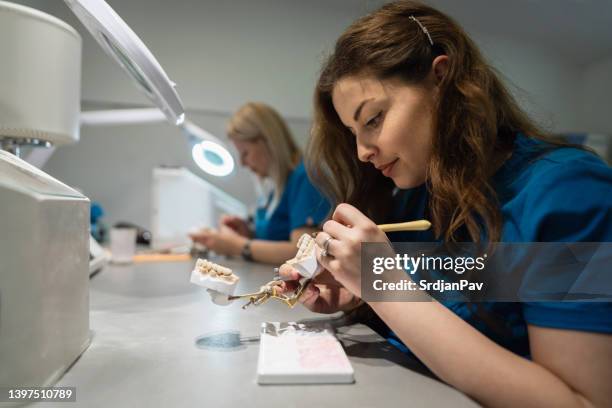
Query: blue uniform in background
{"x": 561, "y": 195}
{"x": 301, "y": 205}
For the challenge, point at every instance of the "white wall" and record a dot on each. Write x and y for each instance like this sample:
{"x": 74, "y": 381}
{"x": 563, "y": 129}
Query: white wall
{"x": 221, "y": 52}
{"x": 224, "y": 53}
{"x": 544, "y": 83}
{"x": 595, "y": 100}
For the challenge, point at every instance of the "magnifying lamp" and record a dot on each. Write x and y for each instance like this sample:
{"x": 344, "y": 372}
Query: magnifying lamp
{"x": 123, "y": 45}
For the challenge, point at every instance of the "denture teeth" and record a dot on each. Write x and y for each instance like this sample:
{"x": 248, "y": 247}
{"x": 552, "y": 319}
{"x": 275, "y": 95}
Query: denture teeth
{"x": 214, "y": 277}
{"x": 305, "y": 260}
{"x": 206, "y": 267}
{"x": 305, "y": 245}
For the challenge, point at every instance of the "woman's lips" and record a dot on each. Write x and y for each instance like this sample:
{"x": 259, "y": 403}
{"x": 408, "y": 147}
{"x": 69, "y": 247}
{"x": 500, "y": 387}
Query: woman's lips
{"x": 388, "y": 168}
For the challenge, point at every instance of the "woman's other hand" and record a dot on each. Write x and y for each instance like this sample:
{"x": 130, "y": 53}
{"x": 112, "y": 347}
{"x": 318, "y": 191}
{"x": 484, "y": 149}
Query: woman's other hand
{"x": 239, "y": 225}
{"x": 224, "y": 241}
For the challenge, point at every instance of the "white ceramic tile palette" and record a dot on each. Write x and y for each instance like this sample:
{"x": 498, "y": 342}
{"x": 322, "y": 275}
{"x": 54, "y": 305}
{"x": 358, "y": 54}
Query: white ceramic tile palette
{"x": 293, "y": 353}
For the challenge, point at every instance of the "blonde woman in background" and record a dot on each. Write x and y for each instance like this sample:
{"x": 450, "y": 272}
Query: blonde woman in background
{"x": 292, "y": 208}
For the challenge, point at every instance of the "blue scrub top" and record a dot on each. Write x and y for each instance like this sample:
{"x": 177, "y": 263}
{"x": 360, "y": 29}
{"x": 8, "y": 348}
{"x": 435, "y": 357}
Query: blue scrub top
{"x": 301, "y": 205}
{"x": 561, "y": 195}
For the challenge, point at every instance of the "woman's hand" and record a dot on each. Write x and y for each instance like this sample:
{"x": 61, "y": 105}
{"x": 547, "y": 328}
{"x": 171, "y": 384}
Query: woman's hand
{"x": 240, "y": 226}
{"x": 323, "y": 294}
{"x": 342, "y": 236}
{"x": 224, "y": 241}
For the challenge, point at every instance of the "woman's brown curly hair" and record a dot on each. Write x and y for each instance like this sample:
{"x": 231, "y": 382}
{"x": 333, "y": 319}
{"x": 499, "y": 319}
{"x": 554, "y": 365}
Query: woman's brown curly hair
{"x": 475, "y": 124}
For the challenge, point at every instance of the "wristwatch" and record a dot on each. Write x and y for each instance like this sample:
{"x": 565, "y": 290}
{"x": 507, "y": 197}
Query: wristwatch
{"x": 246, "y": 253}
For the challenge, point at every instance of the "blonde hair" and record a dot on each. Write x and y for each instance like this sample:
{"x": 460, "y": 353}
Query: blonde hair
{"x": 256, "y": 120}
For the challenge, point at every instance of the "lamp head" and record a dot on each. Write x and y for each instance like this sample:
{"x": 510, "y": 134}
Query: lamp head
{"x": 208, "y": 152}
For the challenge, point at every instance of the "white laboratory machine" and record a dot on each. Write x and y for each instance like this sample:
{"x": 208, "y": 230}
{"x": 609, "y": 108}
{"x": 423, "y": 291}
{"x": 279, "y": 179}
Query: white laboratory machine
{"x": 44, "y": 224}
{"x": 182, "y": 201}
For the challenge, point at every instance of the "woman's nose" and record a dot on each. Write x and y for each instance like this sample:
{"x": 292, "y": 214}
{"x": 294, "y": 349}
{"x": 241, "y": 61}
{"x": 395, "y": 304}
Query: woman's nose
{"x": 365, "y": 153}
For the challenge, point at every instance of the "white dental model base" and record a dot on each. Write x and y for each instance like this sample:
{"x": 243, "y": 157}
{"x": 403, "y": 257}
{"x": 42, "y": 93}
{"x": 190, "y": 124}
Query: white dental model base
{"x": 219, "y": 280}
{"x": 305, "y": 261}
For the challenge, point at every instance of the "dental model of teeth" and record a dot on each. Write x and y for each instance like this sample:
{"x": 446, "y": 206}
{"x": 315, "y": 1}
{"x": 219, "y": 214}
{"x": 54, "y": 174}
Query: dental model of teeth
{"x": 305, "y": 261}
{"x": 219, "y": 280}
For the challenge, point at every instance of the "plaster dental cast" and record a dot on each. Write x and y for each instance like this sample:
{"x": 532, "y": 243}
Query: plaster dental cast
{"x": 412, "y": 123}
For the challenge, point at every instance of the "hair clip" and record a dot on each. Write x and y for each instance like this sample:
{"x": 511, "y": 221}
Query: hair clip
{"x": 413, "y": 18}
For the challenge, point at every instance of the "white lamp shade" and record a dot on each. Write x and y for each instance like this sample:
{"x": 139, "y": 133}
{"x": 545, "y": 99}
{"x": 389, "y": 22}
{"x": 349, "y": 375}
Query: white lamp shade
{"x": 40, "y": 85}
{"x": 213, "y": 158}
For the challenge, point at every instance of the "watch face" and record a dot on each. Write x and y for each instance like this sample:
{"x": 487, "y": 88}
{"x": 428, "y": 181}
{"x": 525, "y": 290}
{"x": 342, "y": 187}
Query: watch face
{"x": 246, "y": 251}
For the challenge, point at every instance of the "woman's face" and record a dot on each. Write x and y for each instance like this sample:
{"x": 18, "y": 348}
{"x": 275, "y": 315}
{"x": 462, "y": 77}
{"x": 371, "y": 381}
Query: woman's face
{"x": 255, "y": 155}
{"x": 392, "y": 123}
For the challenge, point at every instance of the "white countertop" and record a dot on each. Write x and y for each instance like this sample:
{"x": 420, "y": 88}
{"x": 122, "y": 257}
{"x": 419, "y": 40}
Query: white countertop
{"x": 150, "y": 326}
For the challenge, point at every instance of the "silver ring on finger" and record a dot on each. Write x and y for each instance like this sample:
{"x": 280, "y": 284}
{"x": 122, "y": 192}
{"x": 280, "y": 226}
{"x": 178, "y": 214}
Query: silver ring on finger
{"x": 325, "y": 251}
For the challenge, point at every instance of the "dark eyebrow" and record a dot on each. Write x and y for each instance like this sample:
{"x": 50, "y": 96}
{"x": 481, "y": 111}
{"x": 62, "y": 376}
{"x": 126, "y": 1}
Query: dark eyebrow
{"x": 358, "y": 110}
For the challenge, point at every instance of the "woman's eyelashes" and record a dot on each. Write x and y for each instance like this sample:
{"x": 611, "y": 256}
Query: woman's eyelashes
{"x": 370, "y": 124}
{"x": 374, "y": 121}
